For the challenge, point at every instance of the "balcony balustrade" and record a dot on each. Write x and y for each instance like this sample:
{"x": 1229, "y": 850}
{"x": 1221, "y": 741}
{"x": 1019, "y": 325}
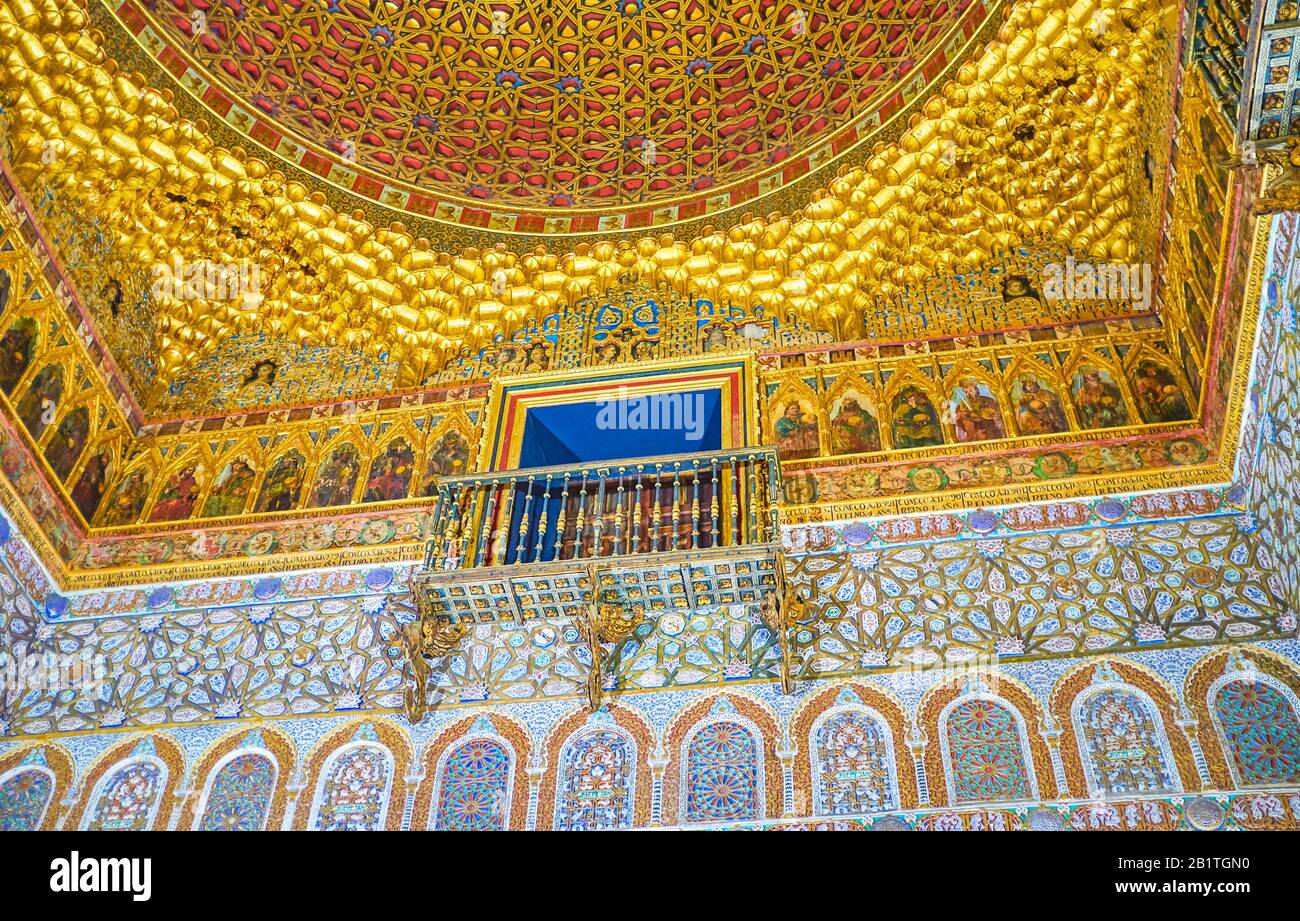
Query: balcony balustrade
{"x": 606, "y": 509}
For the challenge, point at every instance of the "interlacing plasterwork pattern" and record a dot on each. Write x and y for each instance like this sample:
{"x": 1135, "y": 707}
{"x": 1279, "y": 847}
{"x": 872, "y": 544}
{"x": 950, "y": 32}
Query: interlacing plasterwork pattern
{"x": 1090, "y": 590}
{"x": 894, "y": 608}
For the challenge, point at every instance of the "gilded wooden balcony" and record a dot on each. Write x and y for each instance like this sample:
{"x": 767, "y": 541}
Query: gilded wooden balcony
{"x": 679, "y": 531}
{"x": 684, "y": 502}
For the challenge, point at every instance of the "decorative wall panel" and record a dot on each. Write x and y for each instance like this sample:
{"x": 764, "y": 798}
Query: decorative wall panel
{"x": 642, "y": 743}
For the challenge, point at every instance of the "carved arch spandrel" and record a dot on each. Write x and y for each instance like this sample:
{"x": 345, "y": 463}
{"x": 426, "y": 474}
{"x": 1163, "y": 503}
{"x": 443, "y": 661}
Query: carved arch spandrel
{"x": 508, "y": 728}
{"x": 1011, "y": 692}
{"x": 1077, "y": 681}
{"x": 390, "y": 736}
{"x": 701, "y": 711}
{"x": 629, "y": 720}
{"x": 884, "y": 703}
{"x": 286, "y": 764}
{"x": 168, "y": 752}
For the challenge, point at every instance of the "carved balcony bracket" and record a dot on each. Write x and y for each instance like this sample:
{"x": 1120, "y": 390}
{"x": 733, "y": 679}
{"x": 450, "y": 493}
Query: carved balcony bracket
{"x": 603, "y": 624}
{"x": 781, "y": 610}
{"x": 1281, "y": 186}
{"x": 425, "y": 640}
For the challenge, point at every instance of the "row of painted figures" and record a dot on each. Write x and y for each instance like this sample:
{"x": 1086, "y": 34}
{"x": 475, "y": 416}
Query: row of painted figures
{"x": 973, "y": 412}
{"x": 339, "y": 477}
{"x": 723, "y": 767}
{"x": 285, "y": 486}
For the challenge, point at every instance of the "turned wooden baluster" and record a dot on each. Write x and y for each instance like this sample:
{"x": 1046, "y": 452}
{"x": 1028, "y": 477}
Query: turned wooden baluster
{"x": 773, "y": 501}
{"x": 715, "y": 489}
{"x": 465, "y": 519}
{"x": 501, "y": 535}
{"x": 522, "y": 540}
{"x": 438, "y": 549}
{"x": 541, "y": 524}
{"x": 636, "y": 522}
{"x": 468, "y": 504}
{"x": 618, "y": 548}
{"x": 573, "y": 494}
{"x": 565, "y": 522}
{"x": 598, "y": 522}
{"x": 485, "y": 529}
{"x": 751, "y": 496}
{"x": 433, "y": 545}
{"x": 582, "y": 519}
{"x": 733, "y": 475}
{"x": 658, "y": 518}
{"x": 446, "y": 511}
{"x": 695, "y": 505}
{"x": 760, "y": 499}
{"x": 469, "y": 538}
{"x": 677, "y": 503}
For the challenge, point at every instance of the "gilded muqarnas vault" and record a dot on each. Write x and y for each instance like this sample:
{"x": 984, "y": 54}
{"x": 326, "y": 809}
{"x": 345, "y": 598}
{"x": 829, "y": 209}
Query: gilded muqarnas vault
{"x": 990, "y": 308}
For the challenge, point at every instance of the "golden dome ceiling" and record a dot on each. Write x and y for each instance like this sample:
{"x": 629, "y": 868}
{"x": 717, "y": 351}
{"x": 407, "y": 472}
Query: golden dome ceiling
{"x": 651, "y": 110}
{"x": 1052, "y": 131}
